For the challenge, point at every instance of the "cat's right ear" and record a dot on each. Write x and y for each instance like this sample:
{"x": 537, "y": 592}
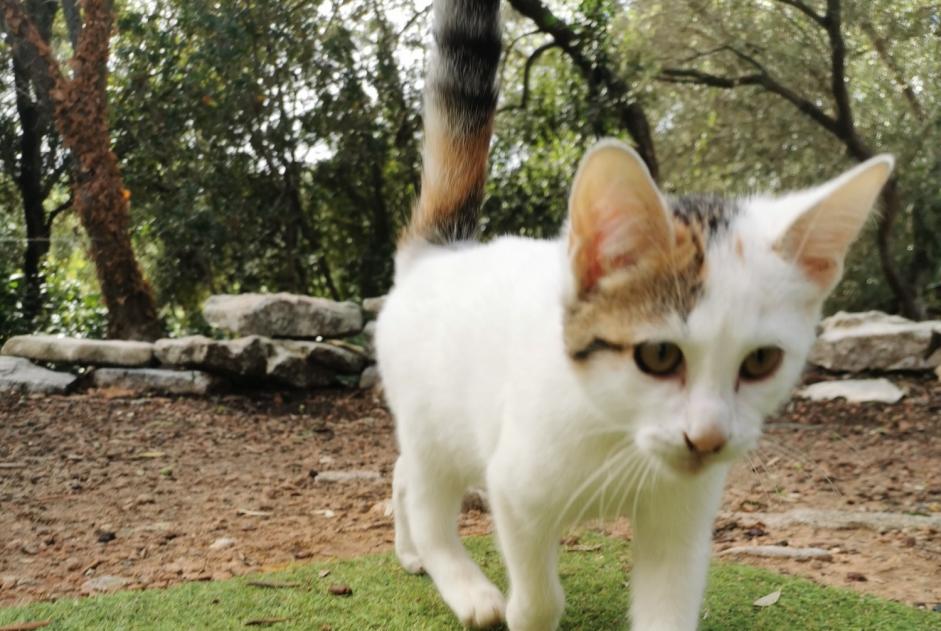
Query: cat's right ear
{"x": 617, "y": 216}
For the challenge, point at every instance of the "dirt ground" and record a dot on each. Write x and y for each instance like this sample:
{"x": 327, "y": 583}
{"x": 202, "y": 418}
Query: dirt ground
{"x": 157, "y": 491}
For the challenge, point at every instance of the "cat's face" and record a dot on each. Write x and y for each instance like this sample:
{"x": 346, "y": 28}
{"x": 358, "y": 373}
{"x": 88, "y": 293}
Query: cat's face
{"x": 689, "y": 320}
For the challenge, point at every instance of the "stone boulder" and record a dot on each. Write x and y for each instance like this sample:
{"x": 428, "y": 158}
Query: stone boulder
{"x": 283, "y": 315}
{"x": 857, "y": 342}
{"x": 372, "y": 306}
{"x": 65, "y": 350}
{"x": 244, "y": 357}
{"x": 296, "y": 363}
{"x": 21, "y": 375}
{"x": 369, "y": 340}
{"x": 854, "y": 391}
{"x": 147, "y": 380}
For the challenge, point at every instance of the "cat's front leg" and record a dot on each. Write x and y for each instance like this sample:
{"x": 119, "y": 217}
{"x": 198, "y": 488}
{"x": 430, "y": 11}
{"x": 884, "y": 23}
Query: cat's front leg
{"x": 530, "y": 547}
{"x": 671, "y": 548}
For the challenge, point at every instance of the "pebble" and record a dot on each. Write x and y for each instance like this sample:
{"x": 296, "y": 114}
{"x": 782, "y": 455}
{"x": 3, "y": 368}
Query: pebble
{"x": 222, "y": 543}
{"x": 72, "y": 564}
{"x": 8, "y": 582}
{"x": 104, "y": 584}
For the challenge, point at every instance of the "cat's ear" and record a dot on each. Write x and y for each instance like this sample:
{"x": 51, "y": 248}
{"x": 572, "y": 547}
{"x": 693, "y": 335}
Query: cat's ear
{"x": 617, "y": 216}
{"x": 819, "y": 238}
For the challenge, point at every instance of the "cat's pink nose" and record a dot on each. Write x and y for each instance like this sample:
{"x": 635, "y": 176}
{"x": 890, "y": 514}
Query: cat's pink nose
{"x": 709, "y": 439}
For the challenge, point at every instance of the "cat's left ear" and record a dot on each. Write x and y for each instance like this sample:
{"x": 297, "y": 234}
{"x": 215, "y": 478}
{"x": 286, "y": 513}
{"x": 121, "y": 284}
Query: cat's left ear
{"x": 821, "y": 235}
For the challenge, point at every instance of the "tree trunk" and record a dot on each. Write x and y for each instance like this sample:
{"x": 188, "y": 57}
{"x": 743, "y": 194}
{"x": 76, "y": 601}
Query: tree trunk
{"x": 29, "y": 182}
{"x": 80, "y": 109}
{"x": 908, "y": 306}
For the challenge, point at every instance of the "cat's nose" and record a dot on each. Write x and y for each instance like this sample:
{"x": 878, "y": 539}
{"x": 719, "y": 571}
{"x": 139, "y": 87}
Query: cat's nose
{"x": 707, "y": 439}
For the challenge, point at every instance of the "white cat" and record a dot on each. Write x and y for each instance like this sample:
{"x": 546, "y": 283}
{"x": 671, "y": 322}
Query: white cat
{"x": 617, "y": 370}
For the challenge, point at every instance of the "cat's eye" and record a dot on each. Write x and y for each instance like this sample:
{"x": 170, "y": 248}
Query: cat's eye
{"x": 660, "y": 359}
{"x": 761, "y": 363}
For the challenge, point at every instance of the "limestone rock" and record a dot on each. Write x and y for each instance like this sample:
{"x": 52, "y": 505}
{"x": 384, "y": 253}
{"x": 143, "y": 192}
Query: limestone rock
{"x": 283, "y": 315}
{"x": 370, "y": 378}
{"x": 369, "y": 340}
{"x": 21, "y": 375}
{"x": 338, "y": 356}
{"x": 854, "y": 391}
{"x": 842, "y": 520}
{"x": 64, "y": 350}
{"x": 781, "y": 552}
{"x": 297, "y": 363}
{"x": 347, "y": 476}
{"x": 856, "y": 342}
{"x": 291, "y": 366}
{"x": 372, "y": 306}
{"x": 161, "y": 381}
{"x": 244, "y": 357}
{"x": 104, "y": 584}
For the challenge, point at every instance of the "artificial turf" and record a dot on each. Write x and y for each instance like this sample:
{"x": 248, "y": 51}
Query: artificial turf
{"x": 383, "y": 596}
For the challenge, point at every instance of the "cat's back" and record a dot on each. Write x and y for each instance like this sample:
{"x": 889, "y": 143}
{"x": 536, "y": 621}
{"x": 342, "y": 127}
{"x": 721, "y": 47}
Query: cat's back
{"x": 461, "y": 318}
{"x": 483, "y": 287}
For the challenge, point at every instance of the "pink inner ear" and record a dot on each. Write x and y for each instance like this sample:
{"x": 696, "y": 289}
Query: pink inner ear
{"x": 821, "y": 270}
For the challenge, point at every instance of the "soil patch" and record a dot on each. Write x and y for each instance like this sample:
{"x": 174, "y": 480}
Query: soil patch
{"x": 158, "y": 491}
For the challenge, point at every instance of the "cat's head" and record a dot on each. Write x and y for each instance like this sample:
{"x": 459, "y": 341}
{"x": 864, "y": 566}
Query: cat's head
{"x": 690, "y": 319}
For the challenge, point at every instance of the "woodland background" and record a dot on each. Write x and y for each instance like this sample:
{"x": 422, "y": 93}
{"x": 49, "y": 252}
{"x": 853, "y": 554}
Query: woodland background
{"x": 263, "y": 145}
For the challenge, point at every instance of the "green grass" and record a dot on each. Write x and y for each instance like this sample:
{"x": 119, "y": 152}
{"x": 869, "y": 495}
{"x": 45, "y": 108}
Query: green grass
{"x": 385, "y": 597}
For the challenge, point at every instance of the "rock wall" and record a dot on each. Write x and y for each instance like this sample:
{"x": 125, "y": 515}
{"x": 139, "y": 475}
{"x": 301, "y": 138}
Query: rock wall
{"x": 282, "y": 340}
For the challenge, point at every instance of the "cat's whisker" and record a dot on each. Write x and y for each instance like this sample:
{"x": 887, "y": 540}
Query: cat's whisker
{"x": 588, "y": 481}
{"x": 615, "y": 461}
{"x": 754, "y": 472}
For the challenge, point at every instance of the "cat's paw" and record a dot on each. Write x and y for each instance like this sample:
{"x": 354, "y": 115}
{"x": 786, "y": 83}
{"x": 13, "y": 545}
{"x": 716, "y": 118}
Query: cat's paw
{"x": 410, "y": 562}
{"x": 478, "y": 605}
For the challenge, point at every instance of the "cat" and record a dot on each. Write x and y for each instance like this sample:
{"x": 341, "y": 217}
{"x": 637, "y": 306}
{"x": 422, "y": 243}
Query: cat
{"x": 617, "y": 370}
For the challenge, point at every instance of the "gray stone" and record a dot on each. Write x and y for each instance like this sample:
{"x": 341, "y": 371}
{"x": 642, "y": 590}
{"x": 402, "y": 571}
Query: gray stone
{"x": 283, "y": 315}
{"x": 244, "y": 357}
{"x": 347, "y": 476}
{"x": 65, "y": 350}
{"x": 781, "y": 552}
{"x": 104, "y": 584}
{"x": 370, "y": 378}
{"x": 297, "y": 363}
{"x": 291, "y": 366}
{"x": 856, "y": 342}
{"x": 21, "y": 375}
{"x": 339, "y": 356}
{"x": 222, "y": 543}
{"x": 854, "y": 391}
{"x": 372, "y": 306}
{"x": 842, "y": 520}
{"x": 156, "y": 380}
{"x": 369, "y": 340}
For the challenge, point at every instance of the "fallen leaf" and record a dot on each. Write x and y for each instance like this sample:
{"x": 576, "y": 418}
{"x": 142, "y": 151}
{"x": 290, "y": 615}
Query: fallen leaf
{"x": 27, "y": 626}
{"x": 148, "y": 455}
{"x": 324, "y": 573}
{"x": 265, "y": 622}
{"x": 341, "y": 590}
{"x": 273, "y": 584}
{"x": 583, "y": 548}
{"x": 770, "y": 599}
{"x": 244, "y": 512}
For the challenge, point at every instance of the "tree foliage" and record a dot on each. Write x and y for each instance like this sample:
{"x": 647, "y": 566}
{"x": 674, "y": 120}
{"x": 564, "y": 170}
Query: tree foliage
{"x": 275, "y": 146}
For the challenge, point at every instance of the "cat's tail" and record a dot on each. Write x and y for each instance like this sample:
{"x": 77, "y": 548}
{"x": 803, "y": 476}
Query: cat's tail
{"x": 460, "y": 101}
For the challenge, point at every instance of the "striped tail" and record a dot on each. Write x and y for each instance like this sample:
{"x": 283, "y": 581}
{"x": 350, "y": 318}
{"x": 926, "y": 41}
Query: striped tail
{"x": 460, "y": 101}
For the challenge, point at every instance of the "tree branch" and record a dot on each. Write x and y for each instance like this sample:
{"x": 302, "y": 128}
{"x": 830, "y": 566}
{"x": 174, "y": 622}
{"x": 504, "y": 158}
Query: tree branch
{"x": 73, "y": 21}
{"x": 55, "y": 212}
{"x": 806, "y": 10}
{"x": 527, "y": 70}
{"x": 631, "y": 114}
